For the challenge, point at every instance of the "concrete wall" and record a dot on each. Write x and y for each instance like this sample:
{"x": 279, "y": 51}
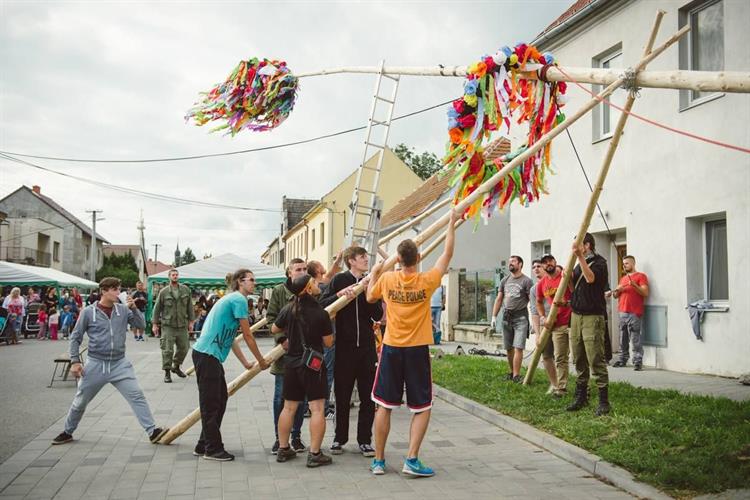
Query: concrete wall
{"x": 24, "y": 204}
{"x": 658, "y": 185}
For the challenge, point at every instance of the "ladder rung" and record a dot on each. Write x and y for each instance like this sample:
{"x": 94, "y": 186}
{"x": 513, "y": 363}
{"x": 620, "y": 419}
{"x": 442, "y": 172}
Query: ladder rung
{"x": 365, "y": 231}
{"x": 380, "y": 146}
{"x": 371, "y": 168}
{"x": 394, "y": 78}
{"x": 366, "y": 191}
{"x": 378, "y": 122}
{"x": 369, "y": 212}
{"x": 384, "y": 99}
{"x": 368, "y": 207}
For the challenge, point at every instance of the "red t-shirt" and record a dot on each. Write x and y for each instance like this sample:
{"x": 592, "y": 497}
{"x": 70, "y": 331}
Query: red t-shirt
{"x": 630, "y": 300}
{"x": 546, "y": 290}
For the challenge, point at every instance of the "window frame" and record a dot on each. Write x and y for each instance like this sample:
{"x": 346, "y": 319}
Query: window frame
{"x": 599, "y": 61}
{"x": 686, "y": 57}
{"x": 704, "y": 249}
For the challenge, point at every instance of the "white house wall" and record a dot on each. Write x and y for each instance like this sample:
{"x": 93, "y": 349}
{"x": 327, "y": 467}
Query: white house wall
{"x": 657, "y": 180}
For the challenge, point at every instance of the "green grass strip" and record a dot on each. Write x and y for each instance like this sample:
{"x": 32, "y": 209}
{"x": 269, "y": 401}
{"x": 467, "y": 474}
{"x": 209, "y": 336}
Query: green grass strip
{"x": 684, "y": 445}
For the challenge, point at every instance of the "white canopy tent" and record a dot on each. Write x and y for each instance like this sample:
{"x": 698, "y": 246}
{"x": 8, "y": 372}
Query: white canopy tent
{"x": 12, "y": 274}
{"x": 212, "y": 272}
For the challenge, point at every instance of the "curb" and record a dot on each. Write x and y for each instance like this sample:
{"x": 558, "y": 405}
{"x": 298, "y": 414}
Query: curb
{"x": 589, "y": 462}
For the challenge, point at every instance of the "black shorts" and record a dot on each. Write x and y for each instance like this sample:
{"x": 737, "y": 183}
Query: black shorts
{"x": 399, "y": 366}
{"x": 301, "y": 382}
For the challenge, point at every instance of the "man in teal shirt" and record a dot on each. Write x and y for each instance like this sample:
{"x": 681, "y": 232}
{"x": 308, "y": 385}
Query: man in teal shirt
{"x": 211, "y": 350}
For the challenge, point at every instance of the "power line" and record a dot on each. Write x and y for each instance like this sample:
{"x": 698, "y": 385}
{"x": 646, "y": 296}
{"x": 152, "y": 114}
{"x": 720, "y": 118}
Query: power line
{"x": 228, "y": 153}
{"x": 138, "y": 192}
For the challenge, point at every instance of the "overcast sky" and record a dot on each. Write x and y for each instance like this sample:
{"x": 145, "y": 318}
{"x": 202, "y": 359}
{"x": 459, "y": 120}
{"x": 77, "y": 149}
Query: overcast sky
{"x": 114, "y": 79}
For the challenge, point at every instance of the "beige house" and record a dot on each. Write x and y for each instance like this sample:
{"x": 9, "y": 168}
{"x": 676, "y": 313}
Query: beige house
{"x": 320, "y": 233}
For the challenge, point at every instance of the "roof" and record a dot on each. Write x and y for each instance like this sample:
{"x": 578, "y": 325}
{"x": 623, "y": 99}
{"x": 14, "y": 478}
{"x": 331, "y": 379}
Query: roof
{"x": 580, "y": 10}
{"x": 295, "y": 209}
{"x": 156, "y": 266}
{"x": 12, "y": 274}
{"x": 215, "y": 270}
{"x": 134, "y": 250}
{"x": 59, "y": 209}
{"x": 432, "y": 189}
{"x": 570, "y": 12}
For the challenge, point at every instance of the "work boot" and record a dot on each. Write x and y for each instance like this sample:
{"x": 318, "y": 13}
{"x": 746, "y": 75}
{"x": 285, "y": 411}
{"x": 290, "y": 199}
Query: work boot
{"x": 176, "y": 370}
{"x": 167, "y": 377}
{"x": 581, "y": 397}
{"x": 604, "y": 407}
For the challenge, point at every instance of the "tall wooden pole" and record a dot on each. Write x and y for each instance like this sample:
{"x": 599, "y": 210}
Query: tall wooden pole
{"x": 708, "y": 81}
{"x": 593, "y": 200}
{"x": 191, "y": 419}
{"x": 414, "y": 221}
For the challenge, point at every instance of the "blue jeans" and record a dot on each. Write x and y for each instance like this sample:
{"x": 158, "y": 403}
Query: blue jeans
{"x": 278, "y": 405}
{"x": 329, "y": 356}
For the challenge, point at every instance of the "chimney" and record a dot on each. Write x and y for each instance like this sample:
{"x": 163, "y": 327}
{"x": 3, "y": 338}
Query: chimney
{"x": 36, "y": 189}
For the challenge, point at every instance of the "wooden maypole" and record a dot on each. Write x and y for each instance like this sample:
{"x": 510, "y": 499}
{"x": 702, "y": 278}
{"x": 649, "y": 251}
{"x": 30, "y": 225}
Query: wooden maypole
{"x": 425, "y": 235}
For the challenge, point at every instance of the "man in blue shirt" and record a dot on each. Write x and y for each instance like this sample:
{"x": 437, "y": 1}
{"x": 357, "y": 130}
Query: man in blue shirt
{"x": 211, "y": 350}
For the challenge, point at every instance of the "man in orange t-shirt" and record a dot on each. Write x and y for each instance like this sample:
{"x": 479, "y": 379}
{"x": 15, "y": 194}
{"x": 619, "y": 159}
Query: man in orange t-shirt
{"x": 405, "y": 356}
{"x": 631, "y": 292}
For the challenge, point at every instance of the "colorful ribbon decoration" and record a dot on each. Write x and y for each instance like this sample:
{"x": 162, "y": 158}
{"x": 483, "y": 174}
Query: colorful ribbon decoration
{"x": 493, "y": 95}
{"x": 257, "y": 95}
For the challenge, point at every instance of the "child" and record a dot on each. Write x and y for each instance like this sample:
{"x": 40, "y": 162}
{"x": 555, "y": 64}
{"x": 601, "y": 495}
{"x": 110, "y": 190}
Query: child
{"x": 66, "y": 321}
{"x": 41, "y": 320}
{"x": 54, "y": 321}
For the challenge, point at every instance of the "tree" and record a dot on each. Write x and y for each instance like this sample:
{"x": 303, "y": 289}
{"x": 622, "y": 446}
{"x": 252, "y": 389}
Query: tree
{"x": 187, "y": 257}
{"x": 207, "y": 256}
{"x": 119, "y": 266}
{"x": 424, "y": 165}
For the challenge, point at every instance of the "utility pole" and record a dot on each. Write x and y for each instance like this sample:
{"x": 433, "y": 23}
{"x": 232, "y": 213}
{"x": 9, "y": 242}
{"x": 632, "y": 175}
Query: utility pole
{"x": 156, "y": 250}
{"x": 141, "y": 227}
{"x": 92, "y": 252}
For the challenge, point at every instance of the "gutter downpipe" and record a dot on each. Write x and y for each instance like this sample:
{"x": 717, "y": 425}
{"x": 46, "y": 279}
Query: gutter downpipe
{"x": 565, "y": 24}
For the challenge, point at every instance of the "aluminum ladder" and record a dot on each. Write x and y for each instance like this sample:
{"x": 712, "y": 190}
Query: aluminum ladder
{"x": 366, "y": 207}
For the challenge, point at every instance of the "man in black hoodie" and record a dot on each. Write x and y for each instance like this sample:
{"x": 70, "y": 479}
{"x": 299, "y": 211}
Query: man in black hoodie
{"x": 356, "y": 358}
{"x": 587, "y": 324}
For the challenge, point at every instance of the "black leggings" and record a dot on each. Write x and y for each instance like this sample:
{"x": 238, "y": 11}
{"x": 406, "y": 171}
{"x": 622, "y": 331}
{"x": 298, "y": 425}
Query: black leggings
{"x": 354, "y": 365}
{"x": 212, "y": 394}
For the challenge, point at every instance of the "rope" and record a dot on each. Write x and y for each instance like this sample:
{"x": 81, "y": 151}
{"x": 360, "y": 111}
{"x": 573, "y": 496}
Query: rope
{"x": 657, "y": 124}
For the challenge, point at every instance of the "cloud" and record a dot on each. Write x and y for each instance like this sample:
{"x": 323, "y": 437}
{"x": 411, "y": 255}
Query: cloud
{"x": 114, "y": 80}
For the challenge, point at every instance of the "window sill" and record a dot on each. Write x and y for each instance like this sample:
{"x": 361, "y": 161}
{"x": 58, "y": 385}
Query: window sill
{"x": 720, "y": 307}
{"x": 702, "y": 100}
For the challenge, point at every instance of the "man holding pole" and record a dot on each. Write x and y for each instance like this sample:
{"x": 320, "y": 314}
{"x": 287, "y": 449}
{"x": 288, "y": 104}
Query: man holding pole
{"x": 545, "y": 291}
{"x": 280, "y": 297}
{"x": 405, "y": 356}
{"x": 587, "y": 324}
{"x": 173, "y": 311}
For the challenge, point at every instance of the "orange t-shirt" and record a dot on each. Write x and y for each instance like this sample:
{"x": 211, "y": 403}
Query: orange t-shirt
{"x": 408, "y": 306}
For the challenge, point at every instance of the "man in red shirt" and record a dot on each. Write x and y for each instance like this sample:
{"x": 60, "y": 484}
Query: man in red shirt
{"x": 631, "y": 292}
{"x": 546, "y": 290}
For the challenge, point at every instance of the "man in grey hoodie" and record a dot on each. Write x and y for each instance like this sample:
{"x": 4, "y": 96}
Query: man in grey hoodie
{"x": 106, "y": 324}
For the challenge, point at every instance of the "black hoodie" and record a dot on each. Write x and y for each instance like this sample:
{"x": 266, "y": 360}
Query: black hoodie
{"x": 353, "y": 322}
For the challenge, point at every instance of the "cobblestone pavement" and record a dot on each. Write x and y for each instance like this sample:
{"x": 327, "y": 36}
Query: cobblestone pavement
{"x": 112, "y": 458}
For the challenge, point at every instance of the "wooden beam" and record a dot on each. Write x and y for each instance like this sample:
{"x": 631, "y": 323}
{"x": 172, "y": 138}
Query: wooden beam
{"x": 414, "y": 221}
{"x": 706, "y": 81}
{"x": 594, "y": 198}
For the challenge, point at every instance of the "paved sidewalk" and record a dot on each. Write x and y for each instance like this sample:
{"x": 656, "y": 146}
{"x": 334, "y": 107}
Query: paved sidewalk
{"x": 652, "y": 378}
{"x": 111, "y": 457}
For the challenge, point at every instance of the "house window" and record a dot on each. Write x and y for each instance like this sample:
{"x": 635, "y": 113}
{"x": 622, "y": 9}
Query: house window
{"x": 707, "y": 258}
{"x": 702, "y": 49}
{"x": 540, "y": 248}
{"x": 605, "y": 117}
{"x": 322, "y": 232}
{"x": 717, "y": 270}
{"x": 312, "y": 240}
{"x": 56, "y": 251}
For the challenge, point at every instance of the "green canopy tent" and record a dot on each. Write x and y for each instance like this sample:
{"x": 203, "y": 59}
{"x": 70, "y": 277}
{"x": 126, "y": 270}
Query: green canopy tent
{"x": 211, "y": 273}
{"x": 12, "y": 274}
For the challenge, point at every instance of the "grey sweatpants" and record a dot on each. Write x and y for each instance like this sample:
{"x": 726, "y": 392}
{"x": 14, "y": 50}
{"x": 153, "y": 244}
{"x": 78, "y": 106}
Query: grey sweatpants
{"x": 630, "y": 329}
{"x": 97, "y": 374}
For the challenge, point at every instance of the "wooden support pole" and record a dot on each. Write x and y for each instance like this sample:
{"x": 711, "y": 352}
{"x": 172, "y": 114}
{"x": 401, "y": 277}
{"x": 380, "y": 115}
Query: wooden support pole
{"x": 593, "y": 200}
{"x": 707, "y": 81}
{"x": 193, "y": 417}
{"x": 414, "y": 221}
{"x": 429, "y": 248}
